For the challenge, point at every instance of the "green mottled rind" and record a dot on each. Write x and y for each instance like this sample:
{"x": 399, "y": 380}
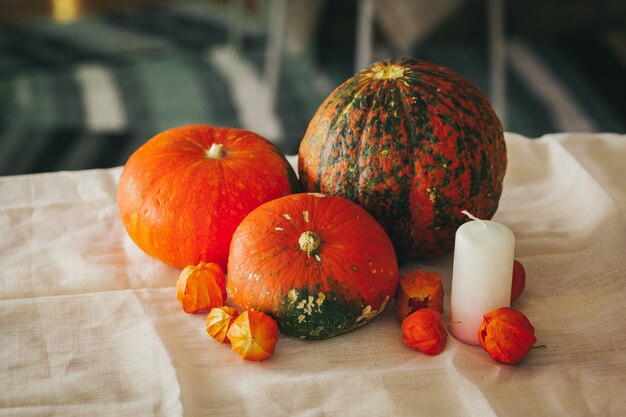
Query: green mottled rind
{"x": 414, "y": 151}
{"x": 334, "y": 316}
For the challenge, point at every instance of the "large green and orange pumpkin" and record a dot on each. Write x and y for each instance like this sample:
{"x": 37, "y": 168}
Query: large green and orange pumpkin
{"x": 319, "y": 265}
{"x": 415, "y": 144}
{"x": 182, "y": 194}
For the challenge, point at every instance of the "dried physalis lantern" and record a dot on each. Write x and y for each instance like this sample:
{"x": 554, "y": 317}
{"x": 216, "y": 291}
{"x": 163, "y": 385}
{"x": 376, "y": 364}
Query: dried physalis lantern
{"x": 424, "y": 330}
{"x": 416, "y": 290}
{"x": 253, "y": 335}
{"x": 507, "y": 335}
{"x": 519, "y": 280}
{"x": 201, "y": 287}
{"x": 219, "y": 321}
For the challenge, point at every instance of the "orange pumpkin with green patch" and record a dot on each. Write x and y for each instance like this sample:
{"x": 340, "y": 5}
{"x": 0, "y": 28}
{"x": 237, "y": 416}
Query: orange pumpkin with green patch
{"x": 319, "y": 265}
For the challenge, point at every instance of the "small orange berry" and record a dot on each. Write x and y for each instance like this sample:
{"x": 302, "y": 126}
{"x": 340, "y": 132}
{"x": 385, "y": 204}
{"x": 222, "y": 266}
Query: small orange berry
{"x": 424, "y": 330}
{"x": 253, "y": 335}
{"x": 201, "y": 287}
{"x": 507, "y": 335}
{"x": 219, "y": 321}
{"x": 418, "y": 289}
{"x": 519, "y": 280}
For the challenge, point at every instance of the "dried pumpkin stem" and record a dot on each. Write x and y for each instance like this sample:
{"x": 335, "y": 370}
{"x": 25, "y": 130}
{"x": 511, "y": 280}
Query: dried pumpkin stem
{"x": 389, "y": 72}
{"x": 215, "y": 151}
{"x": 309, "y": 241}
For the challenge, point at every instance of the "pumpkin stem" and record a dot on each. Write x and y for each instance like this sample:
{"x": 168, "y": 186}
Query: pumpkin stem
{"x": 309, "y": 241}
{"x": 388, "y": 72}
{"x": 216, "y": 151}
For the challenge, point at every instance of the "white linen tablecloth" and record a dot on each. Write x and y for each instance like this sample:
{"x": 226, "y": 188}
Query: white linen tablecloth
{"x": 90, "y": 325}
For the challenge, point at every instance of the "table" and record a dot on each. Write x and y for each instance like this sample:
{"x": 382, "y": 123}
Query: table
{"x": 90, "y": 325}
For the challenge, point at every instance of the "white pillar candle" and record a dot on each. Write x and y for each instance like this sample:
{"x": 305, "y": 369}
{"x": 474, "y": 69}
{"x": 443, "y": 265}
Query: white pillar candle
{"x": 481, "y": 275}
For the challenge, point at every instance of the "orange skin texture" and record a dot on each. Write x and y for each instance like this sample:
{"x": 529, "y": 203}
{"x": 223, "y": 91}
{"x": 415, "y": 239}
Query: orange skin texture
{"x": 419, "y": 289}
{"x": 424, "y": 330}
{"x": 201, "y": 287}
{"x": 253, "y": 335}
{"x": 507, "y": 335}
{"x": 219, "y": 321}
{"x": 182, "y": 207}
{"x": 519, "y": 280}
{"x": 355, "y": 264}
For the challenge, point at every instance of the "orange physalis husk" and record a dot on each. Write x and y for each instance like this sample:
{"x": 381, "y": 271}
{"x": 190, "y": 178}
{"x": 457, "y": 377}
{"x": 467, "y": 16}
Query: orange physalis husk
{"x": 424, "y": 330}
{"x": 507, "y": 335}
{"x": 418, "y": 289}
{"x": 519, "y": 280}
{"x": 253, "y": 335}
{"x": 201, "y": 287}
{"x": 219, "y": 321}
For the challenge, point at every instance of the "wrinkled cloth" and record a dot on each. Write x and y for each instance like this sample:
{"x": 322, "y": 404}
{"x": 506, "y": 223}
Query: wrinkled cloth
{"x": 90, "y": 325}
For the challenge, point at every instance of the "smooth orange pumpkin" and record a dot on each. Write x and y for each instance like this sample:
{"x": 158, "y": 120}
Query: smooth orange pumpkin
{"x": 182, "y": 194}
{"x": 319, "y": 265}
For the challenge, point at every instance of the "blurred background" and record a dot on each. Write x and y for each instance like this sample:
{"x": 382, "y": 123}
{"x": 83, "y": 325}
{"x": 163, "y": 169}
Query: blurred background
{"x": 83, "y": 83}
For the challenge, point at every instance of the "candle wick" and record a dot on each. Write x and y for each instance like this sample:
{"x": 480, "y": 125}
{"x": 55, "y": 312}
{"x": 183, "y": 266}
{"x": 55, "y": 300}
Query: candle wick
{"x": 471, "y": 216}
